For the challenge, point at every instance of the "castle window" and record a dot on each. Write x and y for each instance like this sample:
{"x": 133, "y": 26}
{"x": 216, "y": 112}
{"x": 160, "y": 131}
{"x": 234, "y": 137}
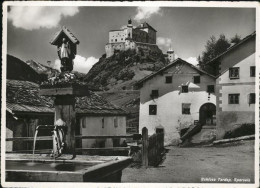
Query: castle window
{"x": 168, "y": 79}
{"x": 184, "y": 89}
{"x": 211, "y": 89}
{"x": 252, "y": 71}
{"x": 233, "y": 98}
{"x": 234, "y": 73}
{"x": 196, "y": 79}
{"x": 115, "y": 40}
{"x": 186, "y": 108}
{"x": 252, "y": 98}
{"x": 152, "y": 109}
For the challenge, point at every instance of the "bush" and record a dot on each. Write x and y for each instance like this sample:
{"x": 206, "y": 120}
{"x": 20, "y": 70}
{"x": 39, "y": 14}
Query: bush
{"x": 240, "y": 130}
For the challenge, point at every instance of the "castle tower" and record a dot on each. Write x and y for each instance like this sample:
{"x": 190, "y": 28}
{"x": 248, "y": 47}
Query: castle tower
{"x": 170, "y": 54}
{"x": 130, "y": 23}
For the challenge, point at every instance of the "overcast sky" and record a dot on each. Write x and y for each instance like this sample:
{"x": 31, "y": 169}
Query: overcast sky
{"x": 30, "y": 29}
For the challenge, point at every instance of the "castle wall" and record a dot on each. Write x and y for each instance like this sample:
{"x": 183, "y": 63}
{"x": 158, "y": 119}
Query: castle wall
{"x": 117, "y": 36}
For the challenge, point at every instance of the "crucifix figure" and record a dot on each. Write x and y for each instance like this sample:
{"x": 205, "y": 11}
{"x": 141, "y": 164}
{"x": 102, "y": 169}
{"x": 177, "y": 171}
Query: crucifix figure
{"x": 66, "y": 44}
{"x": 65, "y": 55}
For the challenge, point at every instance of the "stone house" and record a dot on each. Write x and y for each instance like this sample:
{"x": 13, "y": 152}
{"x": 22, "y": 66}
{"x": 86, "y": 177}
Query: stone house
{"x": 176, "y": 97}
{"x": 235, "y": 72}
{"x": 26, "y": 109}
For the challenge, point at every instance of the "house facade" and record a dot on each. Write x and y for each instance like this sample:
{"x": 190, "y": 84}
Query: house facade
{"x": 235, "y": 85}
{"x": 176, "y": 97}
{"x": 25, "y": 110}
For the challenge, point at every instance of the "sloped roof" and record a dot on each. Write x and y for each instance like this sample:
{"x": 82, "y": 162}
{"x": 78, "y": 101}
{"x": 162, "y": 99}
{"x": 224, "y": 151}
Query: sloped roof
{"x": 23, "y": 97}
{"x": 67, "y": 32}
{"x": 145, "y": 25}
{"x": 233, "y": 47}
{"x": 169, "y": 66}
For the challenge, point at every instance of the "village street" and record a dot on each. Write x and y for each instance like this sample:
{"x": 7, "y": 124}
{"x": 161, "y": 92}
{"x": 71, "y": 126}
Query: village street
{"x": 189, "y": 165}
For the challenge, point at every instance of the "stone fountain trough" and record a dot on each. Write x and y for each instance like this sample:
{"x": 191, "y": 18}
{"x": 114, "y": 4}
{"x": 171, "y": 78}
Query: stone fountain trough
{"x": 20, "y": 168}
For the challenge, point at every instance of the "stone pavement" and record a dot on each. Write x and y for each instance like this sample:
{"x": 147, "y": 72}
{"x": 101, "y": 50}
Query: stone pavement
{"x": 189, "y": 165}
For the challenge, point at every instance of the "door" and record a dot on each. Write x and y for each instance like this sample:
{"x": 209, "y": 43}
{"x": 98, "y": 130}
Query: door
{"x": 207, "y": 114}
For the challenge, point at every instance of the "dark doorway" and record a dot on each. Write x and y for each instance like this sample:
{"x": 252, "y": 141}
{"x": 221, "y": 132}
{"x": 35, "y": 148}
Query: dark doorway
{"x": 208, "y": 114}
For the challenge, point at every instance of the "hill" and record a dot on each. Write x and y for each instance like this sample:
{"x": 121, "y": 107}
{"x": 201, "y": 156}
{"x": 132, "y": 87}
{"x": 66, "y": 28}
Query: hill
{"x": 124, "y": 68}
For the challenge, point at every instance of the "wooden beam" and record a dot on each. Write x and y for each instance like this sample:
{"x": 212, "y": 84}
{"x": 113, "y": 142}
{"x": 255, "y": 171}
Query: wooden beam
{"x": 94, "y": 137}
{"x": 29, "y": 138}
{"x": 78, "y": 137}
{"x": 104, "y": 149}
{"x": 145, "y": 144}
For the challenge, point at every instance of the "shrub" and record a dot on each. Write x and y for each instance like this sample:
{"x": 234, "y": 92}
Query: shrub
{"x": 240, "y": 130}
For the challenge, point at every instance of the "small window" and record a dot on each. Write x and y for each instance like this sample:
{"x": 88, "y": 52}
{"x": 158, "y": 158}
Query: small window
{"x": 252, "y": 71}
{"x": 152, "y": 109}
{"x": 115, "y": 122}
{"x": 186, "y": 108}
{"x": 252, "y": 98}
{"x": 103, "y": 123}
{"x": 196, "y": 79}
{"x": 82, "y": 123}
{"x": 155, "y": 94}
{"x": 184, "y": 89}
{"x": 115, "y": 40}
{"x": 168, "y": 79}
{"x": 233, "y": 98}
{"x": 211, "y": 89}
{"x": 234, "y": 73}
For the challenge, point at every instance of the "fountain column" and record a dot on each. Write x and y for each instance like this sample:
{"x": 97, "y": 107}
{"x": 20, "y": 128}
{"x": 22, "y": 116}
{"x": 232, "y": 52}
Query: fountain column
{"x": 64, "y": 104}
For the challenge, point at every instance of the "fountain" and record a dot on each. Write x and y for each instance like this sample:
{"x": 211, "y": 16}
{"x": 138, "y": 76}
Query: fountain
{"x": 63, "y": 165}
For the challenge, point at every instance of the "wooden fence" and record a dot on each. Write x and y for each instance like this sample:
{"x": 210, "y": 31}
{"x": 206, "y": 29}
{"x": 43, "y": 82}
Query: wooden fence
{"x": 152, "y": 146}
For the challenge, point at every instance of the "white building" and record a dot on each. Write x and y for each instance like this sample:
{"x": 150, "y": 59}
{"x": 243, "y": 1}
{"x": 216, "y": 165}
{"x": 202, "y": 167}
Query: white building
{"x": 235, "y": 85}
{"x": 142, "y": 36}
{"x": 175, "y": 97}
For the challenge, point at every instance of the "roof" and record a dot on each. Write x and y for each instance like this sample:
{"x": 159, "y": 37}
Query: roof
{"x": 169, "y": 66}
{"x": 23, "y": 97}
{"x": 233, "y": 47}
{"x": 58, "y": 36}
{"x": 145, "y": 25}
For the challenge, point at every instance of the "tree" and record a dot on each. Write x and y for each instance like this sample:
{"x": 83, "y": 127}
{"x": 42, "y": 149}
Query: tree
{"x": 213, "y": 48}
{"x": 236, "y": 39}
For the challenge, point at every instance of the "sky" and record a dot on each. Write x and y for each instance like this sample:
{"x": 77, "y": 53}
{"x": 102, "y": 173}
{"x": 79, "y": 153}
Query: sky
{"x": 185, "y": 29}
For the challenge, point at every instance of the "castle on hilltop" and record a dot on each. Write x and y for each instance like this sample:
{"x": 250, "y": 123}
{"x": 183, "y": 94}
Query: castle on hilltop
{"x": 135, "y": 38}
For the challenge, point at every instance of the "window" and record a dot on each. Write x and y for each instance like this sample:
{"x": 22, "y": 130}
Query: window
{"x": 115, "y": 40}
{"x": 211, "y": 89}
{"x": 233, "y": 98}
{"x": 252, "y": 98}
{"x": 103, "y": 123}
{"x": 186, "y": 108}
{"x": 155, "y": 94}
{"x": 252, "y": 71}
{"x": 83, "y": 124}
{"x": 152, "y": 109}
{"x": 168, "y": 79}
{"x": 184, "y": 89}
{"x": 234, "y": 73}
{"x": 196, "y": 79}
{"x": 115, "y": 122}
